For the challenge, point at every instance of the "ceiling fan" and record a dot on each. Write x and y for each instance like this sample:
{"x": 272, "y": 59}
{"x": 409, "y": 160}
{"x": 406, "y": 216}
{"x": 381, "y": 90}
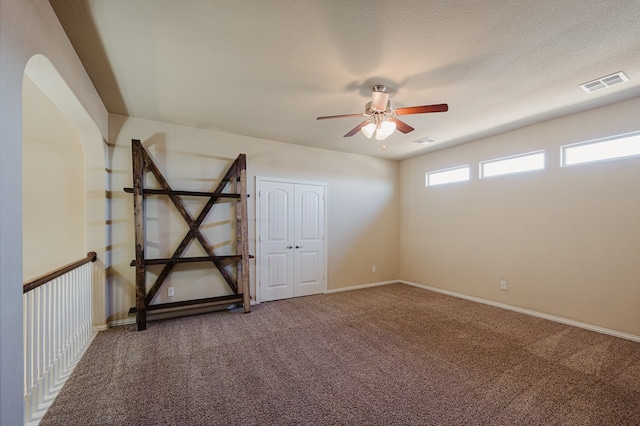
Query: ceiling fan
{"x": 381, "y": 116}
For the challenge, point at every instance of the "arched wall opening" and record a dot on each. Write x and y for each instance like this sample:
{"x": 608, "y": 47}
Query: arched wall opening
{"x": 53, "y": 194}
{"x": 44, "y": 89}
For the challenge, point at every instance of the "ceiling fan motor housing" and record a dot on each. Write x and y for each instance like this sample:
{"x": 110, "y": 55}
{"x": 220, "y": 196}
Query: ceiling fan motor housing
{"x": 369, "y": 109}
{"x": 379, "y": 98}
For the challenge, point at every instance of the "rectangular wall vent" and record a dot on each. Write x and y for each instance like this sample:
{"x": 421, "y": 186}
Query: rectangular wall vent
{"x": 427, "y": 139}
{"x": 604, "y": 82}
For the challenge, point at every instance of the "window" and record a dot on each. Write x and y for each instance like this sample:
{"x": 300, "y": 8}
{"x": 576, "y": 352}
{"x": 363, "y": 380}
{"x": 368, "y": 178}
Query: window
{"x": 515, "y": 164}
{"x": 455, "y": 174}
{"x": 621, "y": 146}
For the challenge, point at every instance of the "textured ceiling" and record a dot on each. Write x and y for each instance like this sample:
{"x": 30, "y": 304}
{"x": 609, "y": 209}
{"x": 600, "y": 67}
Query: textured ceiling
{"x": 267, "y": 69}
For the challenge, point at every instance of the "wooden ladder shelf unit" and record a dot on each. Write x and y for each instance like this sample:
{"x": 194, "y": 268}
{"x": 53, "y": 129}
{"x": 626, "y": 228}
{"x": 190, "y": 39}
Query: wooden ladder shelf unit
{"x": 237, "y": 176}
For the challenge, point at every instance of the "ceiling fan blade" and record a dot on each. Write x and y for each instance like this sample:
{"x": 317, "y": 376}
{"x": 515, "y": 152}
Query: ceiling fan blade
{"x": 401, "y": 125}
{"x": 340, "y": 116}
{"x": 422, "y": 109}
{"x": 357, "y": 128}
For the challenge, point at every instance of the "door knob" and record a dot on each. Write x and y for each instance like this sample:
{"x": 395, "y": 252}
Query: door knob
{"x": 298, "y": 246}
{"x": 289, "y": 246}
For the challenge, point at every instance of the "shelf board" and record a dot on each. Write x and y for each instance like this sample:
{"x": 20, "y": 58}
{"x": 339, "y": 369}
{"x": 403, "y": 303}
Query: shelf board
{"x": 212, "y": 301}
{"x": 149, "y": 191}
{"x": 168, "y": 260}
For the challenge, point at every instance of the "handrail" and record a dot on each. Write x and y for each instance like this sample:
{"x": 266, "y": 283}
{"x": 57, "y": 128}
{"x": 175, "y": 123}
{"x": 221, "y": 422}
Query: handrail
{"x": 37, "y": 282}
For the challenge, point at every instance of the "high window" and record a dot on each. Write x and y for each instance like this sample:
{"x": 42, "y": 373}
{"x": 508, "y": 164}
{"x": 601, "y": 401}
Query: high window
{"x": 514, "y": 164}
{"x": 621, "y": 146}
{"x": 454, "y": 174}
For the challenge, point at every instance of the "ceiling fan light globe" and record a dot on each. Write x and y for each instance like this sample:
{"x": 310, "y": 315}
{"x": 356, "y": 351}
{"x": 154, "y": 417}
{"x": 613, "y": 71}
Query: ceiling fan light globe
{"x": 368, "y": 129}
{"x": 380, "y": 135}
{"x": 387, "y": 127}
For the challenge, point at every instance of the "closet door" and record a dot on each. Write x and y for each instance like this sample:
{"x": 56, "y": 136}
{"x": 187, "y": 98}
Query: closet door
{"x": 292, "y": 240}
{"x": 309, "y": 270}
{"x": 276, "y": 240}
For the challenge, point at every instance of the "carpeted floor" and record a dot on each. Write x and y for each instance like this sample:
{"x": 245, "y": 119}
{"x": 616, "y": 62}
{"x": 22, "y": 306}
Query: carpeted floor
{"x": 391, "y": 355}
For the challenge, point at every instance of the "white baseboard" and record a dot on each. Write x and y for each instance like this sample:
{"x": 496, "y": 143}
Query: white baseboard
{"x": 101, "y": 327}
{"x": 632, "y": 337}
{"x": 359, "y": 287}
{"x": 527, "y": 312}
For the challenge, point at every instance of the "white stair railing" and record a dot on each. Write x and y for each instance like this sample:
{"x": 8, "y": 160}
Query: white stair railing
{"x": 57, "y": 328}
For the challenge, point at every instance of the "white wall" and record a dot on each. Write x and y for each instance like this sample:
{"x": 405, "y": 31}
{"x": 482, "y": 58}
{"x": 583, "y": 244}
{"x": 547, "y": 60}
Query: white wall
{"x": 362, "y": 204}
{"x": 28, "y": 28}
{"x": 53, "y": 186}
{"x": 566, "y": 239}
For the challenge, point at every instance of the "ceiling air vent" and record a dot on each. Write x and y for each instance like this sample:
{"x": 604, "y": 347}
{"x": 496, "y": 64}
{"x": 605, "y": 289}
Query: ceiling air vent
{"x": 604, "y": 82}
{"x": 427, "y": 139}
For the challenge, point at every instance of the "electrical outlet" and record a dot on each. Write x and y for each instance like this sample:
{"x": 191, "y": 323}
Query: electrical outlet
{"x": 503, "y": 284}
{"x": 171, "y": 291}
{"x": 373, "y": 268}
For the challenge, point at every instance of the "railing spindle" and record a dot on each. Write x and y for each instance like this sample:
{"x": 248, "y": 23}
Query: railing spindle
{"x": 26, "y": 336}
{"x": 57, "y": 327}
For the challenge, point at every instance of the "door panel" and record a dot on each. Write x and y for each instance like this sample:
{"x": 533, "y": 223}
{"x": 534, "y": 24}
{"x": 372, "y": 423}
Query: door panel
{"x": 292, "y": 240}
{"x": 278, "y": 215}
{"x": 276, "y": 239}
{"x": 308, "y": 205}
{"x": 309, "y": 237}
{"x": 278, "y": 270}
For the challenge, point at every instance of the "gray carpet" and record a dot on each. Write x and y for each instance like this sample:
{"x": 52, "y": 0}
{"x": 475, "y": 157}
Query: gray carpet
{"x": 391, "y": 355}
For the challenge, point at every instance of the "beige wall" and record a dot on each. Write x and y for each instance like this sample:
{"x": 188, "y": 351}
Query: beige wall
{"x": 567, "y": 240}
{"x": 53, "y": 186}
{"x": 362, "y": 204}
{"x": 28, "y": 29}
{"x": 58, "y": 115}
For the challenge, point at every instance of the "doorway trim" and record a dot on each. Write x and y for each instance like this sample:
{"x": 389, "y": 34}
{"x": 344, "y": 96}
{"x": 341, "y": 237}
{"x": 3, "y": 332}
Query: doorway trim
{"x": 259, "y": 180}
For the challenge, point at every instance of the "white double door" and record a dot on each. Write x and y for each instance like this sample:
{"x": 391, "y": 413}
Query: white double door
{"x": 292, "y": 255}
